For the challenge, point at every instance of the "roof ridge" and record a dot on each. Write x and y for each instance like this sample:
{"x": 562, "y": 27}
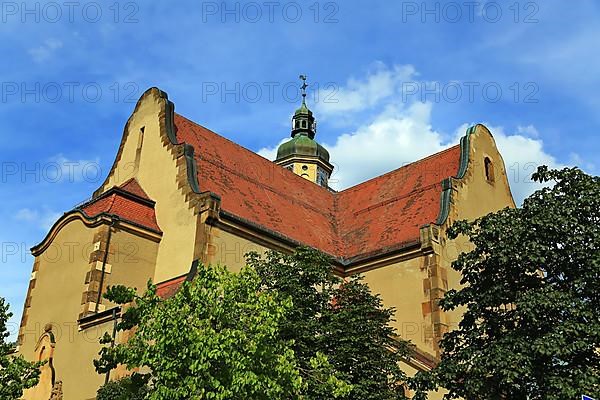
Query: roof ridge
{"x": 336, "y": 193}
{"x": 379, "y": 213}
{"x": 410, "y": 164}
{"x": 112, "y": 201}
{"x": 253, "y": 153}
{"x": 223, "y": 137}
{"x": 270, "y": 187}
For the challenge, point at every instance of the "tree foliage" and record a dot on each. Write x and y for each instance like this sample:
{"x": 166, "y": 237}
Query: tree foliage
{"x": 285, "y": 327}
{"x": 134, "y": 387}
{"x": 341, "y": 319}
{"x": 16, "y": 374}
{"x": 216, "y": 338}
{"x": 531, "y": 327}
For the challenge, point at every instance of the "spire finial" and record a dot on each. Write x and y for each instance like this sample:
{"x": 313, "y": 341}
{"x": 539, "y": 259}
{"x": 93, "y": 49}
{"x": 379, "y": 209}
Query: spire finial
{"x": 303, "y": 87}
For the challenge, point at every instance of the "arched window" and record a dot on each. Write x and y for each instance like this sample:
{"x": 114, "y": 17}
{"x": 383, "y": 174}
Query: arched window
{"x": 44, "y": 351}
{"x": 489, "y": 169}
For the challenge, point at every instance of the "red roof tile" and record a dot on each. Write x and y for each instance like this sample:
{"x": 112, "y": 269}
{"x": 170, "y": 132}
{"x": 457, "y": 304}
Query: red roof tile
{"x": 132, "y": 186}
{"x": 138, "y": 209}
{"x": 388, "y": 210}
{"x": 381, "y": 213}
{"x": 257, "y": 190}
{"x": 168, "y": 288}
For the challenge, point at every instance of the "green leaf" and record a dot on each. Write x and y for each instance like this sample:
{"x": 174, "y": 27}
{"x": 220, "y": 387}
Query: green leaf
{"x": 531, "y": 327}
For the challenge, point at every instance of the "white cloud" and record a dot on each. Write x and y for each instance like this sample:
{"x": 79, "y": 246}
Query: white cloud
{"x": 394, "y": 138}
{"x": 397, "y": 135}
{"x": 357, "y": 95}
{"x": 45, "y": 51}
{"x": 43, "y": 219}
{"x": 270, "y": 153}
{"x": 528, "y": 130}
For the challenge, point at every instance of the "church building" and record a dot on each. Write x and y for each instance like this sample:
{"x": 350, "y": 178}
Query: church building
{"x": 179, "y": 192}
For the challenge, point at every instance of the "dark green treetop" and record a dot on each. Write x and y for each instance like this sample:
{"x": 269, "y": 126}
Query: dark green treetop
{"x": 341, "y": 319}
{"x": 531, "y": 327}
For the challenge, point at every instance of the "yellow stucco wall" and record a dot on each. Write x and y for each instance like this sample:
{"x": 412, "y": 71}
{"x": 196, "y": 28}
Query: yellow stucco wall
{"x": 477, "y": 195}
{"x": 401, "y": 286}
{"x": 410, "y": 372}
{"x": 156, "y": 170}
{"x": 229, "y": 249}
{"x": 132, "y": 263}
{"x": 56, "y": 300}
{"x": 474, "y": 197}
{"x": 310, "y": 173}
{"x": 56, "y": 303}
{"x": 44, "y": 351}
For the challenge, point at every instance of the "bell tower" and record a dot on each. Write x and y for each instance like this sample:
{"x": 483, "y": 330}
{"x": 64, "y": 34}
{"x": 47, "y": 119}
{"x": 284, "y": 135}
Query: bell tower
{"x": 302, "y": 154}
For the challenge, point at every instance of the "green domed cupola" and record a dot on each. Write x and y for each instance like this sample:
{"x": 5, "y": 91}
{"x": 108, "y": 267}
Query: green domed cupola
{"x": 302, "y": 154}
{"x": 302, "y": 145}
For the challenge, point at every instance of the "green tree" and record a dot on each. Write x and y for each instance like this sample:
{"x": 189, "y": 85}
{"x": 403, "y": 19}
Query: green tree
{"x": 341, "y": 319}
{"x": 16, "y": 374}
{"x": 531, "y": 327}
{"x": 216, "y": 338}
{"x": 134, "y": 387}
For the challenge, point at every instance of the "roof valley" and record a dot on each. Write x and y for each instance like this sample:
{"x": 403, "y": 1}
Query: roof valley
{"x": 379, "y": 213}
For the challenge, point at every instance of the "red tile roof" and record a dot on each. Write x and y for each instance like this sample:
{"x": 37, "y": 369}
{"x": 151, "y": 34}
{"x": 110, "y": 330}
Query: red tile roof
{"x": 259, "y": 191}
{"x": 132, "y": 186}
{"x": 128, "y": 201}
{"x": 382, "y": 213}
{"x": 387, "y": 211}
{"x": 168, "y": 288}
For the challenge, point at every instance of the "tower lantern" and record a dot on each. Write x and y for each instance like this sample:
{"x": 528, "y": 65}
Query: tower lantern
{"x": 303, "y": 121}
{"x": 302, "y": 154}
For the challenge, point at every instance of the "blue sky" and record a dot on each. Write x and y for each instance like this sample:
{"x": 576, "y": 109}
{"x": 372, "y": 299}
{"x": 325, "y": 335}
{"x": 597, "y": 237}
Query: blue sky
{"x": 392, "y": 81}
